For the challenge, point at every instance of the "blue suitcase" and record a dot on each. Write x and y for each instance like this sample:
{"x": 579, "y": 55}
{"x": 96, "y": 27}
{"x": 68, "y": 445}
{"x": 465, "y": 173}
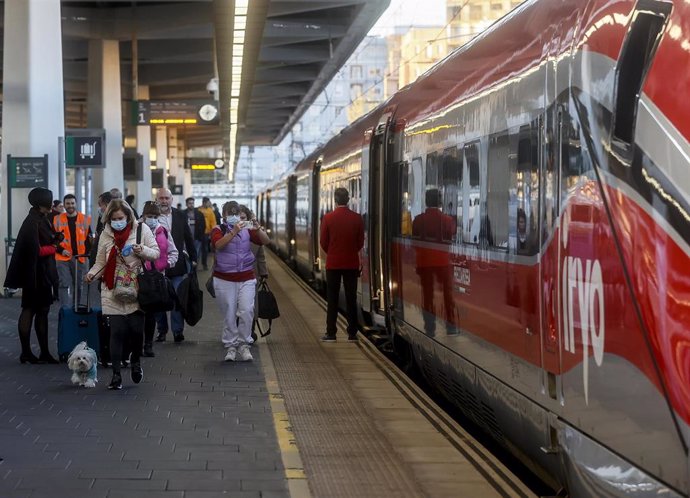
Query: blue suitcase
{"x": 77, "y": 323}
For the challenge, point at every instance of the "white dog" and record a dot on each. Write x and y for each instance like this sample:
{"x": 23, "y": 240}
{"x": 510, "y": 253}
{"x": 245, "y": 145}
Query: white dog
{"x": 82, "y": 361}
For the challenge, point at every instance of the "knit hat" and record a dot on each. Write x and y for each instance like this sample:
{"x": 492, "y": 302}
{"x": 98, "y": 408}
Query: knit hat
{"x": 41, "y": 197}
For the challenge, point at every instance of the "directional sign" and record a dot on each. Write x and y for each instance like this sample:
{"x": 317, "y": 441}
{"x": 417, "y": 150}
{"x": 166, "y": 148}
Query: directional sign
{"x": 28, "y": 172}
{"x": 204, "y": 163}
{"x": 175, "y": 112}
{"x": 84, "y": 148}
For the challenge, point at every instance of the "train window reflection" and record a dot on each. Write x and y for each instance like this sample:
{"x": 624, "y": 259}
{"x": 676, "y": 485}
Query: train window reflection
{"x": 497, "y": 193}
{"x": 472, "y": 195}
{"x": 451, "y": 184}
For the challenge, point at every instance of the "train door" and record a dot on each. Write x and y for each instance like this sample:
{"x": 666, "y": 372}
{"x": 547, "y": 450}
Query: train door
{"x": 291, "y": 217}
{"x": 376, "y": 223}
{"x": 549, "y": 207}
{"x": 315, "y": 219}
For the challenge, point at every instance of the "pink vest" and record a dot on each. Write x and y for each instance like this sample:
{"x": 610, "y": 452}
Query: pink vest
{"x": 162, "y": 240}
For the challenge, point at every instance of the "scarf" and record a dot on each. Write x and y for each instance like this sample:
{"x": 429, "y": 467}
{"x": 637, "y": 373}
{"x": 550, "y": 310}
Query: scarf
{"x": 120, "y": 240}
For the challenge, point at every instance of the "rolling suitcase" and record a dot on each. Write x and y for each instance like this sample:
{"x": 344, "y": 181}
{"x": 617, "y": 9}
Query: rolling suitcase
{"x": 78, "y": 323}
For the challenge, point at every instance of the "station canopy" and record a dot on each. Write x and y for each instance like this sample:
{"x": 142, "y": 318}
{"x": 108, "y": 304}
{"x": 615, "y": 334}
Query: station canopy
{"x": 292, "y": 49}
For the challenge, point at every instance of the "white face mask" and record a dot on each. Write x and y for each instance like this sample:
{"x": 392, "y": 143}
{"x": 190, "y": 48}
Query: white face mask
{"x": 152, "y": 223}
{"x": 232, "y": 220}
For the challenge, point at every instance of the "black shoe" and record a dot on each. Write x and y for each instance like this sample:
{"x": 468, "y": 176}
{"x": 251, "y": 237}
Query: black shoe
{"x": 124, "y": 364}
{"x": 148, "y": 351}
{"x": 352, "y": 338}
{"x": 160, "y": 337}
{"x": 29, "y": 358}
{"x": 137, "y": 373}
{"x": 328, "y": 338}
{"x": 46, "y": 358}
{"x": 116, "y": 383}
{"x": 179, "y": 338}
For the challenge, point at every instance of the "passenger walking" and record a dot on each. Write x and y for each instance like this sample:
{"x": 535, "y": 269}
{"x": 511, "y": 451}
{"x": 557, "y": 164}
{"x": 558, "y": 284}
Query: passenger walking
{"x": 167, "y": 259}
{"x": 234, "y": 280}
{"x": 176, "y": 223}
{"x": 207, "y": 210}
{"x": 341, "y": 238}
{"x": 120, "y": 257}
{"x": 75, "y": 228}
{"x": 32, "y": 269}
{"x": 197, "y": 225}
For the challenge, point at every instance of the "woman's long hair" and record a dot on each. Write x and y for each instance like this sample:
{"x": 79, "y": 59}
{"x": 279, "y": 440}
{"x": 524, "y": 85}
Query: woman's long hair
{"x": 118, "y": 205}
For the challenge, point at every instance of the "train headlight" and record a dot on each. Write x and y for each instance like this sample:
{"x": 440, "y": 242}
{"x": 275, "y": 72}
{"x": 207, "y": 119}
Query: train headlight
{"x": 292, "y": 242}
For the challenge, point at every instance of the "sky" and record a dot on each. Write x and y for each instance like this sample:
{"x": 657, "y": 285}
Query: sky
{"x": 410, "y": 13}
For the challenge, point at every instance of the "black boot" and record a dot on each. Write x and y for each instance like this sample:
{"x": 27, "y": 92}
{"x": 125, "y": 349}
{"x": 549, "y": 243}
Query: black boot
{"x": 148, "y": 350}
{"x": 116, "y": 383}
{"x": 28, "y": 358}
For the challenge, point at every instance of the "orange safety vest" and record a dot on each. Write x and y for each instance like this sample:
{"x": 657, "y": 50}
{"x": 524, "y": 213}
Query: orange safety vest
{"x": 82, "y": 231}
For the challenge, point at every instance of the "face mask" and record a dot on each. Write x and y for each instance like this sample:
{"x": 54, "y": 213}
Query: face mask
{"x": 152, "y": 223}
{"x": 118, "y": 225}
{"x": 232, "y": 220}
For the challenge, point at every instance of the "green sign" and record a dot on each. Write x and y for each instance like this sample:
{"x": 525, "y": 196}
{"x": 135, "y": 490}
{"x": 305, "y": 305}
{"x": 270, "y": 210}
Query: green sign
{"x": 85, "y": 148}
{"x": 28, "y": 172}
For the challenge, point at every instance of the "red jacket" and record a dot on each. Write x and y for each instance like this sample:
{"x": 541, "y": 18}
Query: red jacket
{"x": 433, "y": 226}
{"x": 342, "y": 237}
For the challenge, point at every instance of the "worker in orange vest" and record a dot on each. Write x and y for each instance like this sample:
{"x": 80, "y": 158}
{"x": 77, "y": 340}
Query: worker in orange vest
{"x": 75, "y": 228}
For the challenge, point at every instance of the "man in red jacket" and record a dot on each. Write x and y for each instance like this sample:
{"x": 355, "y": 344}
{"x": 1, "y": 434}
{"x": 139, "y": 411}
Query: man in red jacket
{"x": 342, "y": 237}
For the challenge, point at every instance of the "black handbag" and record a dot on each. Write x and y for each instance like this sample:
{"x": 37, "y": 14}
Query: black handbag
{"x": 267, "y": 307}
{"x": 156, "y": 292}
{"x": 191, "y": 299}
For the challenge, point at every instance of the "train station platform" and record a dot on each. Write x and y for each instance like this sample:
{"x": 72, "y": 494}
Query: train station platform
{"x": 303, "y": 419}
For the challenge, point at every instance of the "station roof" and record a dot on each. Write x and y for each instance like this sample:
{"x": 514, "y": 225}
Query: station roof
{"x": 292, "y": 50}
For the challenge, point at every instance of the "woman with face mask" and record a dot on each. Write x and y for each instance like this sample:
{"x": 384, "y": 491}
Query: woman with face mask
{"x": 118, "y": 250}
{"x": 167, "y": 259}
{"x": 234, "y": 280}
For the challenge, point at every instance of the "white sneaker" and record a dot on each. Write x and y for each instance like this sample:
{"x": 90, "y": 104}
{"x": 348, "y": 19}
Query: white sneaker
{"x": 245, "y": 354}
{"x": 231, "y": 354}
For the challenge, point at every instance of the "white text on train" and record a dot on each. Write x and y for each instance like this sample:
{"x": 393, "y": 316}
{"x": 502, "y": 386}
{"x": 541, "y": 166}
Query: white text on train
{"x": 582, "y": 280}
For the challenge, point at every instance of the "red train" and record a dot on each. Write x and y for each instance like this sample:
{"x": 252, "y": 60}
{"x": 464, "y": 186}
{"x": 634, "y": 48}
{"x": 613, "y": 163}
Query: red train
{"x": 527, "y": 216}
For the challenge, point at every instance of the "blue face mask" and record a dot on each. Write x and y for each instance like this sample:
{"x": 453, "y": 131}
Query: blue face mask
{"x": 232, "y": 220}
{"x": 152, "y": 223}
{"x": 118, "y": 225}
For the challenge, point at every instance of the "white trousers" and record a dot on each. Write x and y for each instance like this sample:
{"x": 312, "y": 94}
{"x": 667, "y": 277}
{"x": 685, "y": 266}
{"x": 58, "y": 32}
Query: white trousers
{"x": 236, "y": 302}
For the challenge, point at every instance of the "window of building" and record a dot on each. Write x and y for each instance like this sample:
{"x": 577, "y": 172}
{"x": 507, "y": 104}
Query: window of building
{"x": 356, "y": 72}
{"x": 429, "y": 51}
{"x": 355, "y": 90}
{"x": 496, "y": 6}
{"x": 476, "y": 13}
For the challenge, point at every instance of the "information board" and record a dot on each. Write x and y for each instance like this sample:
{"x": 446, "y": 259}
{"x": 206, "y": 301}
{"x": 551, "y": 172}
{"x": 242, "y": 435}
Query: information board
{"x": 175, "y": 112}
{"x": 28, "y": 172}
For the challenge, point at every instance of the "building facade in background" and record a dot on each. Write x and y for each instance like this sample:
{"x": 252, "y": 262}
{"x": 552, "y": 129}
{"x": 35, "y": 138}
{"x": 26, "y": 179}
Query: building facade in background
{"x": 377, "y": 69}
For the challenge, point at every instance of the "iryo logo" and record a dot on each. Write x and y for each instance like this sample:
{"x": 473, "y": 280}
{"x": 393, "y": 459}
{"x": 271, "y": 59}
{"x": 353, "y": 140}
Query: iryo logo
{"x": 582, "y": 283}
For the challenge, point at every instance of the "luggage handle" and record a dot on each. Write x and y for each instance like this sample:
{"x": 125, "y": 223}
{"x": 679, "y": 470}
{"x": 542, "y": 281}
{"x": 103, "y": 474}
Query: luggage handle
{"x": 80, "y": 281}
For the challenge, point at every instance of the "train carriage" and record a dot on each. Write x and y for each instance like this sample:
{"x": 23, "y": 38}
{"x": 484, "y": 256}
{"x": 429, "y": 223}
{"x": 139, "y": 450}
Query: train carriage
{"x": 527, "y": 236}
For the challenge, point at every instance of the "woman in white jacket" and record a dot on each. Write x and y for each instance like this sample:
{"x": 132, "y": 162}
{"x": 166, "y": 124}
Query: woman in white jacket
{"x": 117, "y": 247}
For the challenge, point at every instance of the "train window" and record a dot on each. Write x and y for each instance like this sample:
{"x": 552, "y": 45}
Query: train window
{"x": 432, "y": 168}
{"x": 525, "y": 185}
{"x": 472, "y": 196}
{"x": 406, "y": 215}
{"x": 498, "y": 182}
{"x": 451, "y": 184}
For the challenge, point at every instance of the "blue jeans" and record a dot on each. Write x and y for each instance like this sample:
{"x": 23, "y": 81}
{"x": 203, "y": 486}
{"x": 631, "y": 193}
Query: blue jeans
{"x": 175, "y": 315}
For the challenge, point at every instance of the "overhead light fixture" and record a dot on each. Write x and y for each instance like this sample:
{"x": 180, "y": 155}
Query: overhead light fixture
{"x": 238, "y": 36}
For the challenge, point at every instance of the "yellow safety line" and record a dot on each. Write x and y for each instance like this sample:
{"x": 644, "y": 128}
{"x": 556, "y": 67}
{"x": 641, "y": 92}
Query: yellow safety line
{"x": 289, "y": 451}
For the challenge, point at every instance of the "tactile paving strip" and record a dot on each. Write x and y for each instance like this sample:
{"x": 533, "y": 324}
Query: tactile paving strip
{"x": 344, "y": 453}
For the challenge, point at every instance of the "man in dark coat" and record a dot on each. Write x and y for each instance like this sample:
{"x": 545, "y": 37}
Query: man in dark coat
{"x": 175, "y": 221}
{"x": 197, "y": 224}
{"x": 32, "y": 269}
{"x": 341, "y": 238}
